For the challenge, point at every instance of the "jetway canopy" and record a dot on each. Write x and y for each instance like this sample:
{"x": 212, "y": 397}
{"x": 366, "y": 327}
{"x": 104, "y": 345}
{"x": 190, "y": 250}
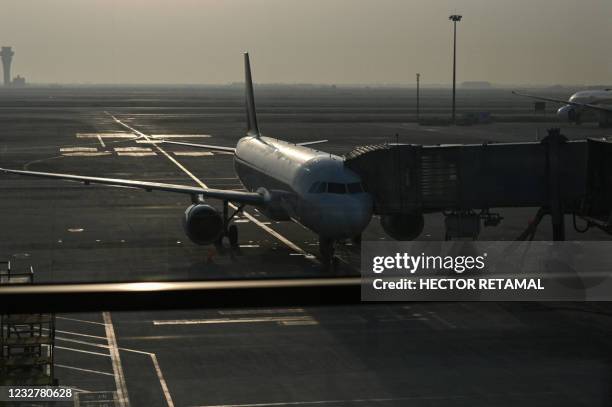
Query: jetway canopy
{"x": 406, "y": 178}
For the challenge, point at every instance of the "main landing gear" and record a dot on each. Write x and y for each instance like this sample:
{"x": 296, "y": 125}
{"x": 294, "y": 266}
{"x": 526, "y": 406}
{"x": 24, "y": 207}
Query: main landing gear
{"x": 229, "y": 230}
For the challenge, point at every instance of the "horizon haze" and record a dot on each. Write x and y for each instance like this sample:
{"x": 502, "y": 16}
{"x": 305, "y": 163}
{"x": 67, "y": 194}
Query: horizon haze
{"x": 342, "y": 42}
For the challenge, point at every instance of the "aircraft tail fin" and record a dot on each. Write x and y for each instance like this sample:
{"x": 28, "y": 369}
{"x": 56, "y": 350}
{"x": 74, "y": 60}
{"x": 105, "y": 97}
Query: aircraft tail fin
{"x": 252, "y": 129}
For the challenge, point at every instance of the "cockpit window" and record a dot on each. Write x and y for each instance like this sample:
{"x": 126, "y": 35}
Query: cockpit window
{"x": 318, "y": 188}
{"x": 336, "y": 188}
{"x": 355, "y": 188}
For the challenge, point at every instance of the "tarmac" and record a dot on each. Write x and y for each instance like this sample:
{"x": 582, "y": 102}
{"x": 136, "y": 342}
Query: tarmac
{"x": 420, "y": 354}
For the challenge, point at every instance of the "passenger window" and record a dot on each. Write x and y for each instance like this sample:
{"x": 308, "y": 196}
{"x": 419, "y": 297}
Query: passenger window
{"x": 314, "y": 187}
{"x": 355, "y": 188}
{"x": 336, "y": 188}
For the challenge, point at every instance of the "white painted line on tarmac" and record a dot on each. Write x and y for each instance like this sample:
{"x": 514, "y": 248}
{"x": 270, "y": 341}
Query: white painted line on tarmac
{"x": 81, "y": 320}
{"x": 122, "y": 393}
{"x": 83, "y": 370}
{"x": 262, "y": 311}
{"x": 214, "y": 321}
{"x": 162, "y": 381}
{"x": 193, "y": 153}
{"x": 137, "y": 154}
{"x": 105, "y": 135}
{"x": 86, "y": 154}
{"x": 163, "y": 136}
{"x": 75, "y": 149}
{"x": 158, "y": 371}
{"x": 247, "y": 215}
{"x": 101, "y": 141}
{"x": 97, "y": 345}
{"x": 132, "y": 149}
{"x": 80, "y": 334}
{"x": 148, "y": 141}
{"x": 82, "y": 351}
{"x": 153, "y": 357}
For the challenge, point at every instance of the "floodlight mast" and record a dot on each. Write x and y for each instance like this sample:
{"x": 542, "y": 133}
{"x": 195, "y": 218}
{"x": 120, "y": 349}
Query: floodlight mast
{"x": 454, "y": 18}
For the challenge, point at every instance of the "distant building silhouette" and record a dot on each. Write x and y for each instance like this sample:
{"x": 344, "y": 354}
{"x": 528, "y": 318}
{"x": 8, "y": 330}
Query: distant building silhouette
{"x": 18, "y": 81}
{"x": 7, "y": 57}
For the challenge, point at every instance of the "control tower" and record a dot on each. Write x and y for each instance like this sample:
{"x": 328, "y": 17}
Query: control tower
{"x": 7, "y": 57}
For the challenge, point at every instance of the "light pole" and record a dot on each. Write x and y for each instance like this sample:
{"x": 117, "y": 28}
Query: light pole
{"x": 454, "y": 18}
{"x": 418, "y": 77}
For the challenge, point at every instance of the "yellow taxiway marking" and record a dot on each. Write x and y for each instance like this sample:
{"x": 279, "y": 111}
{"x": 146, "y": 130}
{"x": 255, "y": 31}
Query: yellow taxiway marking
{"x": 247, "y": 215}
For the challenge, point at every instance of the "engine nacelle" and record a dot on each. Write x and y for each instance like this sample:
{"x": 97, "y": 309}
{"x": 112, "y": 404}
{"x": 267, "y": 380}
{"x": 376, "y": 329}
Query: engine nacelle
{"x": 203, "y": 224}
{"x": 568, "y": 113}
{"x": 405, "y": 226}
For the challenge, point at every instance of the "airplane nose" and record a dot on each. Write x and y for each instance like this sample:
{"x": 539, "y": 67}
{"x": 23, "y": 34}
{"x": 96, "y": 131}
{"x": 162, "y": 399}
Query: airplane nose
{"x": 350, "y": 218}
{"x": 339, "y": 217}
{"x": 358, "y": 216}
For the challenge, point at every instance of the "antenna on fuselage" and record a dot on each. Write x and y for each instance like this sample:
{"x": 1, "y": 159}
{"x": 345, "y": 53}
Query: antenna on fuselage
{"x": 252, "y": 129}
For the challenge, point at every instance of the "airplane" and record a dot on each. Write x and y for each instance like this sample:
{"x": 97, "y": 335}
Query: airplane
{"x": 599, "y": 101}
{"x": 283, "y": 180}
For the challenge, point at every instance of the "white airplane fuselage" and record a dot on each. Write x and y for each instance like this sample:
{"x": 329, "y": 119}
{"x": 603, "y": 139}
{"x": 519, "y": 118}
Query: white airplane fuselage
{"x": 601, "y": 98}
{"x": 307, "y": 186}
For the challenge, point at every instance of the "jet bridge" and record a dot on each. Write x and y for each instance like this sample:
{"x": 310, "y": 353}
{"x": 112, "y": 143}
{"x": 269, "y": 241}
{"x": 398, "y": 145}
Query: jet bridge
{"x": 27, "y": 341}
{"x": 466, "y": 181}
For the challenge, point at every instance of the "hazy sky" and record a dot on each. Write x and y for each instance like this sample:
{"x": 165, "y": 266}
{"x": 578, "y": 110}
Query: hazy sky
{"x": 308, "y": 41}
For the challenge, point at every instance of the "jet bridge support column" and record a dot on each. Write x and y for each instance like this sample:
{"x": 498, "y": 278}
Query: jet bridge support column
{"x": 27, "y": 341}
{"x": 554, "y": 142}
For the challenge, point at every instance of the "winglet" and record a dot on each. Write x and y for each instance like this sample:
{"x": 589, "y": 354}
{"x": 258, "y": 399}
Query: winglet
{"x": 252, "y": 129}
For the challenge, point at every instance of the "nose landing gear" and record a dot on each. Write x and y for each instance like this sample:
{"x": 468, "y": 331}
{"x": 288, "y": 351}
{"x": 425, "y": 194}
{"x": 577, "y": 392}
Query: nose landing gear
{"x": 327, "y": 248}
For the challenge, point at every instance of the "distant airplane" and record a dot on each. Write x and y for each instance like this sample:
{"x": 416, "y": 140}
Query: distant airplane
{"x": 594, "y": 100}
{"x": 285, "y": 181}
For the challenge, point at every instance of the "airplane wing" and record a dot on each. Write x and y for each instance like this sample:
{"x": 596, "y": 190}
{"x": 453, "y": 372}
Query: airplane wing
{"x": 308, "y": 143}
{"x": 251, "y": 198}
{"x": 565, "y": 102}
{"x": 207, "y": 146}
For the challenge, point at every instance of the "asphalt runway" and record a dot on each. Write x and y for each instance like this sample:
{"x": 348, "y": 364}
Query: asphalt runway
{"x": 424, "y": 354}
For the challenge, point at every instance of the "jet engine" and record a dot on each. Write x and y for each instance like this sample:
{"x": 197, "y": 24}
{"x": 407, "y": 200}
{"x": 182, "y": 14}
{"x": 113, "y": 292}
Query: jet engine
{"x": 404, "y": 226}
{"x": 203, "y": 224}
{"x": 568, "y": 113}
